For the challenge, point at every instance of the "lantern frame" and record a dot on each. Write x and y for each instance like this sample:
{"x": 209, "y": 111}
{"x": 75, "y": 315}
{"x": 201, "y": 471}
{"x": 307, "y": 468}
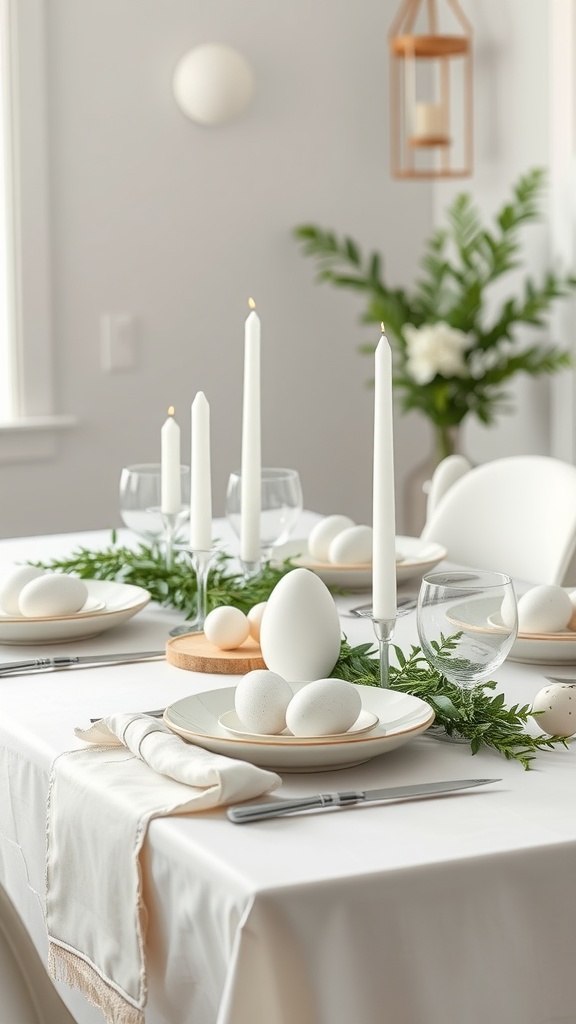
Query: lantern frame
{"x": 442, "y": 128}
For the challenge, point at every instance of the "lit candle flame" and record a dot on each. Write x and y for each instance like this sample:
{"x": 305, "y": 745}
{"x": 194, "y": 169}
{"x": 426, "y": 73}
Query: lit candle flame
{"x": 171, "y": 410}
{"x": 383, "y": 328}
{"x": 251, "y": 304}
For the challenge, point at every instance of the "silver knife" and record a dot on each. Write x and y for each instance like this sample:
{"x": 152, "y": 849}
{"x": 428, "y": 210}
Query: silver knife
{"x": 64, "y": 661}
{"x": 258, "y": 812}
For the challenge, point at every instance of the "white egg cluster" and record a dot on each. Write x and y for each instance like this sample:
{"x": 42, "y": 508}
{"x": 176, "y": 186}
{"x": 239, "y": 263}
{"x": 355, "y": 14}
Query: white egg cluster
{"x": 266, "y": 703}
{"x": 543, "y": 609}
{"x": 338, "y": 540}
{"x": 228, "y": 627}
{"x": 36, "y": 594}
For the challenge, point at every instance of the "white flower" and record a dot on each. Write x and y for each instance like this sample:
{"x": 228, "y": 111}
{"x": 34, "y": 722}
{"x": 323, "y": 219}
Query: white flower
{"x": 435, "y": 349}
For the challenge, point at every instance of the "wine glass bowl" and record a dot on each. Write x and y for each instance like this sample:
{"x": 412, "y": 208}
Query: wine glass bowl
{"x": 141, "y": 499}
{"x": 462, "y": 631}
{"x": 281, "y": 506}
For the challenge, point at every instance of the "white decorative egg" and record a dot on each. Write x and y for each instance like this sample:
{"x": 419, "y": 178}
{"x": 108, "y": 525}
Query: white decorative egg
{"x": 300, "y": 628}
{"x": 226, "y": 627}
{"x": 254, "y": 619}
{"x": 260, "y": 701}
{"x": 544, "y": 609}
{"x": 52, "y": 595}
{"x": 322, "y": 535}
{"x": 12, "y": 583}
{"x": 352, "y": 546}
{"x": 557, "y": 703}
{"x": 324, "y": 707}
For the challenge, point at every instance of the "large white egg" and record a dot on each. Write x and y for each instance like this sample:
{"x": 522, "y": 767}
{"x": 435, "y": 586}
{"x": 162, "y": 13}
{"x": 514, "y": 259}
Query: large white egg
{"x": 52, "y": 595}
{"x": 11, "y": 585}
{"x": 322, "y": 535}
{"x": 352, "y": 547}
{"x": 260, "y": 701}
{"x": 323, "y": 707}
{"x": 544, "y": 609}
{"x": 226, "y": 627}
{"x": 300, "y": 629}
{"x": 558, "y": 706}
{"x": 254, "y": 620}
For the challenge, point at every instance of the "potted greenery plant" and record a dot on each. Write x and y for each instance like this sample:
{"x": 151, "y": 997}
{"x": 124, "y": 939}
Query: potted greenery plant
{"x": 455, "y": 345}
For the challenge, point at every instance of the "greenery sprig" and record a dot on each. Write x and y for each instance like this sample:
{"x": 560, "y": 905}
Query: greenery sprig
{"x": 145, "y": 566}
{"x": 483, "y": 719}
{"x": 460, "y": 265}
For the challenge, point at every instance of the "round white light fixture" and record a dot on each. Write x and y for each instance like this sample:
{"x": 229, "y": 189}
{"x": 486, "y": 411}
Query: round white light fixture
{"x": 213, "y": 84}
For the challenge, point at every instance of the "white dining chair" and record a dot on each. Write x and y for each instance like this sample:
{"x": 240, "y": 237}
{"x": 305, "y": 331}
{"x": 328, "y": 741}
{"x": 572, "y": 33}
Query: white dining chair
{"x": 27, "y": 995}
{"x": 447, "y": 472}
{"x": 515, "y": 515}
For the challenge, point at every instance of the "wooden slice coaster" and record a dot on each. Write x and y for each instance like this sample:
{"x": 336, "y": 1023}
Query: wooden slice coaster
{"x": 194, "y": 653}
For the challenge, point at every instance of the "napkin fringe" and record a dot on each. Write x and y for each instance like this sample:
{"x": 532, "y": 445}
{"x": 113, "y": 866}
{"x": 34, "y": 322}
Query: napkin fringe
{"x": 66, "y": 966}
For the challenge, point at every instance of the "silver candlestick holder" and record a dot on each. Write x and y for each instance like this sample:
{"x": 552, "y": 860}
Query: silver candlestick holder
{"x": 384, "y": 630}
{"x": 201, "y": 560}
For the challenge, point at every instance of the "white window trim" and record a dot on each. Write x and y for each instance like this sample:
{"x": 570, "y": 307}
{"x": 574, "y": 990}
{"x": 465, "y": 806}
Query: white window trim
{"x": 562, "y": 63}
{"x": 31, "y": 431}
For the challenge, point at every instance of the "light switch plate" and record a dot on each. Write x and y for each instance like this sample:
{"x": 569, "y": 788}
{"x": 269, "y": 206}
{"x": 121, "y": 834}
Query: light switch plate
{"x": 118, "y": 341}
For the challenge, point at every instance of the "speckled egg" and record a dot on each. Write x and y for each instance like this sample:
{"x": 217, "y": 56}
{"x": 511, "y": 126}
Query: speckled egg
{"x": 260, "y": 701}
{"x": 324, "y": 707}
{"x": 557, "y": 703}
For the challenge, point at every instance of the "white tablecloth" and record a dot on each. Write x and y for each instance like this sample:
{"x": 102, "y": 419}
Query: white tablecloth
{"x": 456, "y": 910}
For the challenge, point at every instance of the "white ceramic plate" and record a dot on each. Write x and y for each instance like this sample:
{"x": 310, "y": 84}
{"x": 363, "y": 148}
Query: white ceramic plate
{"x": 402, "y": 718}
{"x": 109, "y": 604}
{"x": 532, "y": 648}
{"x": 418, "y": 557}
{"x": 365, "y": 722}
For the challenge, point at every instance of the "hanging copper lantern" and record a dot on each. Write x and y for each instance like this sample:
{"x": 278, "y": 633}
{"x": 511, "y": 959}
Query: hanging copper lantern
{"x": 431, "y": 90}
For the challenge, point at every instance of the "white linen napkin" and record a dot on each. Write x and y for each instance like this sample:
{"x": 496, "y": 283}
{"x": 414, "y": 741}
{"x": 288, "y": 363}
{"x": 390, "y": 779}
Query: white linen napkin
{"x": 101, "y": 800}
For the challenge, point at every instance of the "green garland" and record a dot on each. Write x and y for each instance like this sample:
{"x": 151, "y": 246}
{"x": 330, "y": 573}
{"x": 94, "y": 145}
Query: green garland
{"x": 484, "y": 720}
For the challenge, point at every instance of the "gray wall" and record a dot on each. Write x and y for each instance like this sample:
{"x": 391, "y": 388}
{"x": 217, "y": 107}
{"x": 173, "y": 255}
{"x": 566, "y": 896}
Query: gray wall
{"x": 179, "y": 224}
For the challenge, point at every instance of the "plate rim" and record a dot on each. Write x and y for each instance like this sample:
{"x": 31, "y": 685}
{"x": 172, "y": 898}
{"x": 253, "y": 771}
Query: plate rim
{"x": 142, "y": 600}
{"x": 272, "y": 740}
{"x": 306, "y": 742}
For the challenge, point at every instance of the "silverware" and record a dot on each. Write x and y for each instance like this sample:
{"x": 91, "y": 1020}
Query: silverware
{"x": 44, "y": 664}
{"x": 157, "y": 713}
{"x": 258, "y": 812}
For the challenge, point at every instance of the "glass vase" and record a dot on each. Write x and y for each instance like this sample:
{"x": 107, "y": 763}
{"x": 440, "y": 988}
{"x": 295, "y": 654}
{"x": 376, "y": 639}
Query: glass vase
{"x": 447, "y": 441}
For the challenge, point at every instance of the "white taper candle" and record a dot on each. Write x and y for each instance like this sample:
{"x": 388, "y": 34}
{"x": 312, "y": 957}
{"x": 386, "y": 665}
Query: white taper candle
{"x": 201, "y": 479}
{"x": 171, "y": 493}
{"x": 251, "y": 470}
{"x": 383, "y": 513}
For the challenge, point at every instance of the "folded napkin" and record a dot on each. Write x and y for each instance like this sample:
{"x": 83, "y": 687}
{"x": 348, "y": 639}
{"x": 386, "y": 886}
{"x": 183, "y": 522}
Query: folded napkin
{"x": 100, "y": 802}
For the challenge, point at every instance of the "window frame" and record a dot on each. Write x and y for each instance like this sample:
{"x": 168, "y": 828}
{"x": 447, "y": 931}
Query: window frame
{"x": 29, "y": 430}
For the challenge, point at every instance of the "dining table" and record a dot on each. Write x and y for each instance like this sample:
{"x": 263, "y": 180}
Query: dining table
{"x": 458, "y": 909}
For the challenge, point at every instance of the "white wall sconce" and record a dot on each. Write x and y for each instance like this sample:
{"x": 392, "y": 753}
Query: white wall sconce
{"x": 213, "y": 84}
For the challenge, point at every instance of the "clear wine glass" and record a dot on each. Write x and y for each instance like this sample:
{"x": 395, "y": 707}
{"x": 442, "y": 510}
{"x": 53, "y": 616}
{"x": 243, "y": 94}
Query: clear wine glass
{"x": 467, "y": 622}
{"x": 140, "y": 501}
{"x": 281, "y": 507}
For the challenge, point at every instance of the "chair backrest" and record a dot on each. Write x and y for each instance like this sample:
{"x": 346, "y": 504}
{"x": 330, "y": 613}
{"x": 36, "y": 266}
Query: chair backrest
{"x": 447, "y": 472}
{"x": 515, "y": 515}
{"x": 27, "y": 995}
